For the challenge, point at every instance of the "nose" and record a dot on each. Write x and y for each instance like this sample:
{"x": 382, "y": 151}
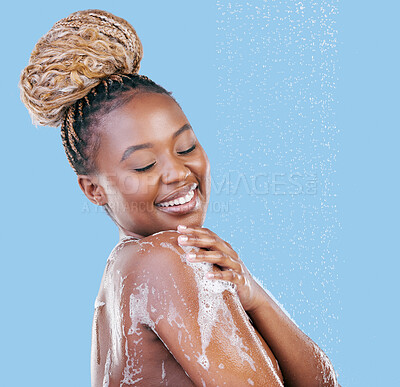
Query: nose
{"x": 174, "y": 170}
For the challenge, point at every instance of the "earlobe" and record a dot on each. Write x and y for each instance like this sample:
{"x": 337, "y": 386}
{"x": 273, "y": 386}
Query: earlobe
{"x": 92, "y": 190}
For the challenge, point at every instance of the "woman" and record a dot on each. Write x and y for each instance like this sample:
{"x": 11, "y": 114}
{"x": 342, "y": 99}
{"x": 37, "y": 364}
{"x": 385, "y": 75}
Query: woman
{"x": 176, "y": 304}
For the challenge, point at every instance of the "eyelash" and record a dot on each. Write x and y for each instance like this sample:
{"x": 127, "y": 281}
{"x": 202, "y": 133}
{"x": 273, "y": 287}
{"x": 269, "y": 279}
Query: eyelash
{"x": 145, "y": 168}
{"x": 191, "y": 149}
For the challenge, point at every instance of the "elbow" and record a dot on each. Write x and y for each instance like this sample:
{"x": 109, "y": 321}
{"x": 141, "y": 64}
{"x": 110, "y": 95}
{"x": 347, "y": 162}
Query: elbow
{"x": 325, "y": 381}
{"x": 326, "y": 377}
{"x": 319, "y": 380}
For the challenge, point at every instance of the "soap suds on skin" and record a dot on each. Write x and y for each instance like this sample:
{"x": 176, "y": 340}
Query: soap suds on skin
{"x": 212, "y": 310}
{"x": 115, "y": 319}
{"x": 146, "y": 243}
{"x": 106, "y": 379}
{"x": 98, "y": 303}
{"x": 162, "y": 370}
{"x": 174, "y": 249}
{"x": 133, "y": 366}
{"x": 120, "y": 245}
{"x": 114, "y": 303}
{"x": 138, "y": 309}
{"x": 174, "y": 317}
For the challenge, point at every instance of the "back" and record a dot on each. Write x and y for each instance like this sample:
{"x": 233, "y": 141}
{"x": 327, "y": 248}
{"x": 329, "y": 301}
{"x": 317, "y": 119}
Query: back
{"x": 159, "y": 321}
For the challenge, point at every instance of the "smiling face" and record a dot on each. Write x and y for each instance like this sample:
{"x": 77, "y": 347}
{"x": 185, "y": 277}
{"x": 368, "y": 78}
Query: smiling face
{"x": 148, "y": 163}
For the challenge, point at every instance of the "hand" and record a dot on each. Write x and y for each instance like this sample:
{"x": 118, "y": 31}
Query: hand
{"x": 222, "y": 254}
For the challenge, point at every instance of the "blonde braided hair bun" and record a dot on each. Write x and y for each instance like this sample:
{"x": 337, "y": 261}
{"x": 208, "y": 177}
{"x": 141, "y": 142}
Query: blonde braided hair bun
{"x": 76, "y": 54}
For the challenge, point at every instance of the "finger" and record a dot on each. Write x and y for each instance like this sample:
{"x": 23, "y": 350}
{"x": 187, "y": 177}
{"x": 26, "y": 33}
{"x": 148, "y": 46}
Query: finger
{"x": 186, "y": 229}
{"x": 182, "y": 229}
{"x": 226, "y": 275}
{"x": 205, "y": 238}
{"x": 196, "y": 231}
{"x": 197, "y": 241}
{"x": 215, "y": 257}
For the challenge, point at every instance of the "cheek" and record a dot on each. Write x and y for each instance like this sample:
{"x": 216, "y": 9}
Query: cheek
{"x": 203, "y": 165}
{"x": 140, "y": 187}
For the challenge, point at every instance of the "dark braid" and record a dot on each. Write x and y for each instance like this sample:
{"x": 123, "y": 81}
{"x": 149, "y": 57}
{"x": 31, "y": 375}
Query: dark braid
{"x": 78, "y": 127}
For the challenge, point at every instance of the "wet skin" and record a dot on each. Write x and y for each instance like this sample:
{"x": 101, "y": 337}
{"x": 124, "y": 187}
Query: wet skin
{"x": 130, "y": 183}
{"x": 172, "y": 291}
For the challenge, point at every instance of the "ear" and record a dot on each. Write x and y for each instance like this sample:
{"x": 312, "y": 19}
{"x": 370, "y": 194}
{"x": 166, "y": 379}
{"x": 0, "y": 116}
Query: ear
{"x": 92, "y": 190}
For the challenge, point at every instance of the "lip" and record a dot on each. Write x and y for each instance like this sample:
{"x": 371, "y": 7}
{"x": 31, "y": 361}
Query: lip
{"x": 181, "y": 192}
{"x": 182, "y": 209}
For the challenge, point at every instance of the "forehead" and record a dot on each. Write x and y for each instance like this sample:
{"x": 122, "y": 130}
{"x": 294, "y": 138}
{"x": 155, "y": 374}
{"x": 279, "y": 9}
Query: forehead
{"x": 146, "y": 117}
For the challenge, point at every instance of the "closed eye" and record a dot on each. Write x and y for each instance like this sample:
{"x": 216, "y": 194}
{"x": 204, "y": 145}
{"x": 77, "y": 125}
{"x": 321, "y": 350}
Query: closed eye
{"x": 191, "y": 149}
{"x": 145, "y": 168}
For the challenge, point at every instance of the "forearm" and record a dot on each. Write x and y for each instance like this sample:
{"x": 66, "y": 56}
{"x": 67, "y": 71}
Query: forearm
{"x": 301, "y": 361}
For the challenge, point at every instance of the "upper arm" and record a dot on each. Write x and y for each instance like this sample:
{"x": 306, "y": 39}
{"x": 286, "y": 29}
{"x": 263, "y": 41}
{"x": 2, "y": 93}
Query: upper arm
{"x": 200, "y": 321}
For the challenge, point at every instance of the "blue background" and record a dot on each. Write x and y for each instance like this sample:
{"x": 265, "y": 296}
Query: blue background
{"x": 295, "y": 104}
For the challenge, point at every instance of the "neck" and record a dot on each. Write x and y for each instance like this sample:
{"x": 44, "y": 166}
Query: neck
{"x": 124, "y": 233}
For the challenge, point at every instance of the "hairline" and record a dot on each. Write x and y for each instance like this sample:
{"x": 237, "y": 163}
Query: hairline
{"x": 107, "y": 107}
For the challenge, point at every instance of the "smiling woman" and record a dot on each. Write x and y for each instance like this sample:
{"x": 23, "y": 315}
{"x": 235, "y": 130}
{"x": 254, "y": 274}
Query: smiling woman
{"x": 176, "y": 304}
{"x": 149, "y": 157}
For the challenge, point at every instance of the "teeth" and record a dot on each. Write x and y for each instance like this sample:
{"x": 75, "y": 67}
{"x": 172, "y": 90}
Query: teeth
{"x": 187, "y": 198}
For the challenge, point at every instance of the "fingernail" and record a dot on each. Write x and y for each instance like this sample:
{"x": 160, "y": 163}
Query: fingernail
{"x": 209, "y": 275}
{"x": 182, "y": 227}
{"x": 190, "y": 256}
{"x": 182, "y": 238}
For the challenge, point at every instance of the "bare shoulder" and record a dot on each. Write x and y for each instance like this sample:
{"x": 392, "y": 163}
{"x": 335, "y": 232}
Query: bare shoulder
{"x": 157, "y": 252}
{"x": 200, "y": 321}
{"x": 156, "y": 265}
{"x": 159, "y": 262}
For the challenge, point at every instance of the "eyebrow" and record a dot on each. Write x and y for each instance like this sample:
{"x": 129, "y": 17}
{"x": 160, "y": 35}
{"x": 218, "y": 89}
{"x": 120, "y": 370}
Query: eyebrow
{"x": 133, "y": 148}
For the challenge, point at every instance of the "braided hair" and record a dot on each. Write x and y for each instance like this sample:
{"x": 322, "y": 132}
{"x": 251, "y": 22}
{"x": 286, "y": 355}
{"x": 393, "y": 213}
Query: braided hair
{"x": 79, "y": 127}
{"x": 83, "y": 68}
